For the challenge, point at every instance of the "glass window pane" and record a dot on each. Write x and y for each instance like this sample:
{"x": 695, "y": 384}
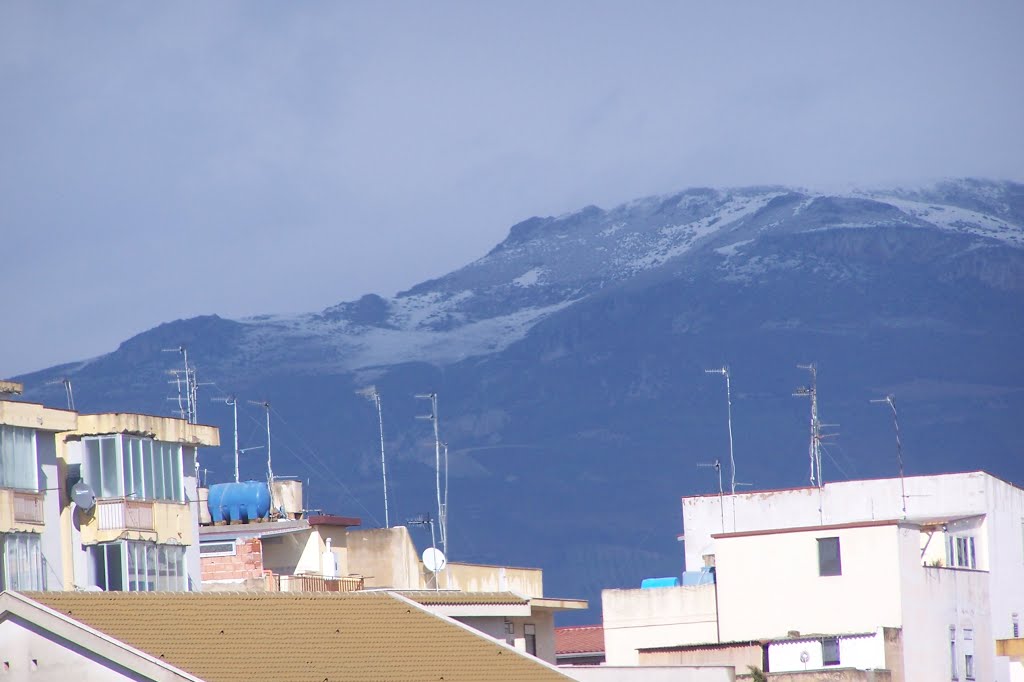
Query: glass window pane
{"x": 115, "y": 567}
{"x": 828, "y": 557}
{"x": 110, "y": 471}
{"x": 138, "y": 478}
{"x": 18, "y": 468}
{"x": 147, "y": 464}
{"x": 176, "y": 464}
{"x": 91, "y": 471}
{"x": 151, "y": 569}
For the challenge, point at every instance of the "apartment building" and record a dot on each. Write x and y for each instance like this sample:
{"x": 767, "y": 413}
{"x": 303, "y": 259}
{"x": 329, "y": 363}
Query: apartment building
{"x": 31, "y": 556}
{"x": 918, "y": 576}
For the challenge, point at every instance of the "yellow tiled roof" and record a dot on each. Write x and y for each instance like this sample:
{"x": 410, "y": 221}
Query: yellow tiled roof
{"x": 297, "y": 637}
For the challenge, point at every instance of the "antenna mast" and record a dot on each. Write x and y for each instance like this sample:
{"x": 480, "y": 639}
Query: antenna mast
{"x": 442, "y": 513}
{"x": 890, "y": 400}
{"x": 230, "y": 400}
{"x": 67, "y": 390}
{"x": 717, "y": 466}
{"x": 265, "y": 404}
{"x": 724, "y": 371}
{"x": 190, "y": 410}
{"x": 371, "y": 393}
{"x": 814, "y": 450}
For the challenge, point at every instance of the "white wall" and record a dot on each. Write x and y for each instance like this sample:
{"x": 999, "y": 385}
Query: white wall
{"x": 769, "y": 585}
{"x": 1005, "y": 555}
{"x": 862, "y": 652}
{"x": 50, "y": 483}
{"x": 933, "y": 600}
{"x": 841, "y": 502}
{"x": 657, "y": 617}
{"x": 674, "y": 673}
{"x": 20, "y": 646}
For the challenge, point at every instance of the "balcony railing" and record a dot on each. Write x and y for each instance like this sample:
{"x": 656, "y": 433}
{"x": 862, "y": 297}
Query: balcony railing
{"x": 28, "y": 507}
{"x": 312, "y": 583}
{"x": 123, "y": 513}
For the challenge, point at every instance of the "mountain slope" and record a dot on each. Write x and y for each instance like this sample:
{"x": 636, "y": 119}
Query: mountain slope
{"x": 569, "y": 363}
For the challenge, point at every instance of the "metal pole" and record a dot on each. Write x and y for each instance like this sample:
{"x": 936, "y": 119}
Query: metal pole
{"x": 234, "y": 406}
{"x": 890, "y": 400}
{"x": 383, "y": 464}
{"x": 732, "y": 460}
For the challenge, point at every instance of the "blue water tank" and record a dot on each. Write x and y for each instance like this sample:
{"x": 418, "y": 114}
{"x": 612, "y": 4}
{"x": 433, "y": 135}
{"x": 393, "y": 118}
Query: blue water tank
{"x": 649, "y": 583}
{"x": 245, "y": 501}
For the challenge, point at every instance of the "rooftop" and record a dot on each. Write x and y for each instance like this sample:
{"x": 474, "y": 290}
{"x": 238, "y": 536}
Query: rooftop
{"x": 298, "y": 637}
{"x": 579, "y": 639}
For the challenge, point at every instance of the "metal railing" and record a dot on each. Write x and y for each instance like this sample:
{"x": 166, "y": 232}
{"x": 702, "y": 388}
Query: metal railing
{"x": 124, "y": 513}
{"x": 312, "y": 583}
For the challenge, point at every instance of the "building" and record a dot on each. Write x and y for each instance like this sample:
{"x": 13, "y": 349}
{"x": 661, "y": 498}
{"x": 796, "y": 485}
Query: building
{"x": 31, "y": 551}
{"x": 142, "y": 531}
{"x": 323, "y": 553}
{"x": 917, "y": 576}
{"x": 235, "y": 637}
{"x": 579, "y": 645}
{"x": 289, "y": 555}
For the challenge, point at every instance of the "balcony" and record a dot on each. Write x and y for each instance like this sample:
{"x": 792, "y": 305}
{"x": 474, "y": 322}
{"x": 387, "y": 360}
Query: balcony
{"x": 311, "y": 583}
{"x": 28, "y": 507}
{"x": 124, "y": 514}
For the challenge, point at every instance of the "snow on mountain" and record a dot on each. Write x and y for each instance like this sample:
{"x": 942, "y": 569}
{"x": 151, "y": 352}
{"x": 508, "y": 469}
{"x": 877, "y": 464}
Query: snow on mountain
{"x": 547, "y": 264}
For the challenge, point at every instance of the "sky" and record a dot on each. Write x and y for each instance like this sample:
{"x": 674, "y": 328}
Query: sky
{"x": 165, "y": 160}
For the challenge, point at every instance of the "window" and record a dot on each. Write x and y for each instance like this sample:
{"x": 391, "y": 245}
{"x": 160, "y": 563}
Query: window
{"x": 830, "y": 651}
{"x": 139, "y": 567}
{"x": 21, "y": 562}
{"x": 530, "y": 631}
{"x": 969, "y": 653}
{"x": 960, "y": 552}
{"x": 828, "y": 557}
{"x": 128, "y": 466}
{"x": 510, "y": 633}
{"x": 953, "y": 660}
{"x": 18, "y": 467}
{"x": 217, "y": 549}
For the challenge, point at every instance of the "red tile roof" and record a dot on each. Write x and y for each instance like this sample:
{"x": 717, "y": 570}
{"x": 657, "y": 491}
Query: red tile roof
{"x": 580, "y": 639}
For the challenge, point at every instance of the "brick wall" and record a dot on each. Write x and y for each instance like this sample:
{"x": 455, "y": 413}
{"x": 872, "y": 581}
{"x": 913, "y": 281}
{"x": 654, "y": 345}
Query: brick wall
{"x": 246, "y": 564}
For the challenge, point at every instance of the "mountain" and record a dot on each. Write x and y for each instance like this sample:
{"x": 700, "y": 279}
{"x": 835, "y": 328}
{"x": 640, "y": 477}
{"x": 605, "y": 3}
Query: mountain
{"x": 569, "y": 363}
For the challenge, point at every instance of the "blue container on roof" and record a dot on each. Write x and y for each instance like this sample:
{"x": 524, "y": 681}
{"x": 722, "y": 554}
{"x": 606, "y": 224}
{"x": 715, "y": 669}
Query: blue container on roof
{"x": 245, "y": 501}
{"x": 649, "y": 583}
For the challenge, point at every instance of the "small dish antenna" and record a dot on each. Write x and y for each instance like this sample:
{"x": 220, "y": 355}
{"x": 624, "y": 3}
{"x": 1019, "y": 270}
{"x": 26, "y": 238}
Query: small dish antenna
{"x": 433, "y": 559}
{"x": 83, "y": 496}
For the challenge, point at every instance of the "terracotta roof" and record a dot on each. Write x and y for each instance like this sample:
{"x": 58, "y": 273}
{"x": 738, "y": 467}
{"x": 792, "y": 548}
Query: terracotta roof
{"x": 452, "y": 598}
{"x": 580, "y": 639}
{"x": 298, "y": 637}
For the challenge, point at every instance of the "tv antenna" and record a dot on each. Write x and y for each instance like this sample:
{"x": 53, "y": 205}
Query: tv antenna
{"x": 230, "y": 400}
{"x": 442, "y": 512}
{"x": 717, "y": 466}
{"x": 188, "y": 394}
{"x": 265, "y": 404}
{"x": 814, "y": 450}
{"x": 67, "y": 390}
{"x": 425, "y": 520}
{"x": 371, "y": 393}
{"x": 724, "y": 371}
{"x": 890, "y": 400}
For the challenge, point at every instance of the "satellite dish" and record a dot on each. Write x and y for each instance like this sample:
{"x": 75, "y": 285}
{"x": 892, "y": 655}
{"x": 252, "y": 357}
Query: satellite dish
{"x": 433, "y": 559}
{"x": 83, "y": 496}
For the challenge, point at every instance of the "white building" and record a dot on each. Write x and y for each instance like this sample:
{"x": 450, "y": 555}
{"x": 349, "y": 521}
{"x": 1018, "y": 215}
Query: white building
{"x": 919, "y": 577}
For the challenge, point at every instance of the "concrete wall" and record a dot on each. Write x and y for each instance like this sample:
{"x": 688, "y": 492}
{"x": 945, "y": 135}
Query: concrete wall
{"x": 606, "y": 673}
{"x": 756, "y": 603}
{"x": 659, "y": 617}
{"x": 865, "y": 652}
{"x": 494, "y": 626}
{"x": 841, "y": 502}
{"x": 1005, "y": 552}
{"x": 739, "y": 656}
{"x": 934, "y": 599}
{"x": 34, "y": 657}
{"x": 844, "y": 675}
{"x": 528, "y": 582}
{"x": 386, "y": 557}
